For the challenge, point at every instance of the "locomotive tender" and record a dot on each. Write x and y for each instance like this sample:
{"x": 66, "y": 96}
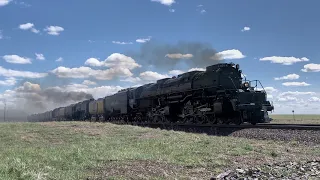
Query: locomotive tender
{"x": 216, "y": 95}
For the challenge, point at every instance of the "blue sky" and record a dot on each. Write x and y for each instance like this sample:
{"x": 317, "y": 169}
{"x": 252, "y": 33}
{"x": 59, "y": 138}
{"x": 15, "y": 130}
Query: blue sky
{"x": 100, "y": 40}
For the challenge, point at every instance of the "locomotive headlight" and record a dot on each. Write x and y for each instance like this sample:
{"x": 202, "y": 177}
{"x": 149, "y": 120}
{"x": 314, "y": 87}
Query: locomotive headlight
{"x": 246, "y": 84}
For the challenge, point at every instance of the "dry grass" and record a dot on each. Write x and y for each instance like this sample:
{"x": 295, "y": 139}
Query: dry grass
{"x": 297, "y": 119}
{"x": 80, "y": 150}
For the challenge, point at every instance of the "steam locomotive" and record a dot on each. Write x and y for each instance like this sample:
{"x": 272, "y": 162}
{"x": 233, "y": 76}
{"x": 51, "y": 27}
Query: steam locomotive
{"x": 217, "y": 95}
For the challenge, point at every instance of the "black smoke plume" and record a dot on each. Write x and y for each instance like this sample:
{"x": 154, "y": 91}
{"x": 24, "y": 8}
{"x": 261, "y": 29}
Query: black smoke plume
{"x": 34, "y": 99}
{"x": 156, "y": 54}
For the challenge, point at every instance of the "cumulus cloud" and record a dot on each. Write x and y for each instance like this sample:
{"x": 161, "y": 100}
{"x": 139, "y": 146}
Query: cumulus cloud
{"x": 284, "y": 60}
{"x": 59, "y": 59}
{"x": 88, "y": 82}
{"x": 40, "y": 56}
{"x": 296, "y": 93}
{"x": 175, "y": 72}
{"x": 270, "y": 89}
{"x": 115, "y": 60}
{"x": 4, "y": 2}
{"x": 152, "y": 76}
{"x": 246, "y": 29}
{"x": 314, "y": 99}
{"x": 179, "y": 56}
{"x": 15, "y": 59}
{"x": 295, "y": 84}
{"x": 200, "y": 9}
{"x": 54, "y": 30}
{"x": 229, "y": 54}
{"x": 311, "y": 68}
{"x": 148, "y": 77}
{"x": 165, "y": 2}
{"x": 132, "y": 80}
{"x": 26, "y": 26}
{"x": 29, "y": 26}
{"x": 287, "y": 98}
{"x": 122, "y": 43}
{"x": 288, "y": 77}
{"x": 143, "y": 40}
{"x": 87, "y": 72}
{"x": 24, "y": 74}
{"x": 10, "y": 81}
{"x": 196, "y": 69}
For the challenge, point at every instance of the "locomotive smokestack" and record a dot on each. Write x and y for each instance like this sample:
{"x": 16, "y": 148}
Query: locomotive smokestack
{"x": 185, "y": 54}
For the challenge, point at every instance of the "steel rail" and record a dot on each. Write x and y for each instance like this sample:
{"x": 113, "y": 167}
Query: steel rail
{"x": 230, "y": 126}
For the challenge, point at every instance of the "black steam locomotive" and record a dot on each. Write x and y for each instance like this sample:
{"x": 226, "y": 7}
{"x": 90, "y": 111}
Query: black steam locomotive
{"x": 216, "y": 95}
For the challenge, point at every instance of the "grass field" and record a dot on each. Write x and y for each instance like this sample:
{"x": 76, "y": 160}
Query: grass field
{"x": 83, "y": 150}
{"x": 297, "y": 119}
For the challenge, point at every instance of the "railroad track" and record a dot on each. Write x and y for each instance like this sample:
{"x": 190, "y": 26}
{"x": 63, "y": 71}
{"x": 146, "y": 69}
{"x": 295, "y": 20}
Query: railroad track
{"x": 315, "y": 127}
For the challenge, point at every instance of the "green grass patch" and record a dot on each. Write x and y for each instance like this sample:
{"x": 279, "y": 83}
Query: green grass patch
{"x": 80, "y": 150}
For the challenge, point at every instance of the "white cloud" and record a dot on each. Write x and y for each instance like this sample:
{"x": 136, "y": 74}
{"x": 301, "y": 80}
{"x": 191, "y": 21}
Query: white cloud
{"x": 93, "y": 62}
{"x": 25, "y": 74}
{"x": 179, "y": 56}
{"x": 311, "y": 68}
{"x": 26, "y": 26}
{"x": 296, "y": 84}
{"x": 146, "y": 77}
{"x": 88, "y": 82}
{"x": 10, "y": 81}
{"x": 287, "y": 98}
{"x": 132, "y": 79}
{"x": 29, "y": 26}
{"x": 172, "y": 10}
{"x": 203, "y": 11}
{"x": 15, "y": 59}
{"x": 296, "y": 93}
{"x": 175, "y": 72}
{"x": 284, "y": 60}
{"x": 54, "y": 30}
{"x": 87, "y": 72}
{"x": 59, "y": 59}
{"x": 288, "y": 77}
{"x": 196, "y": 69}
{"x": 4, "y": 2}
{"x": 270, "y": 89}
{"x": 34, "y": 30}
{"x": 246, "y": 29}
{"x": 165, "y": 2}
{"x": 115, "y": 60}
{"x": 200, "y": 9}
{"x": 40, "y": 56}
{"x": 143, "y": 40}
{"x": 314, "y": 99}
{"x": 122, "y": 43}
{"x": 152, "y": 76}
{"x": 230, "y": 54}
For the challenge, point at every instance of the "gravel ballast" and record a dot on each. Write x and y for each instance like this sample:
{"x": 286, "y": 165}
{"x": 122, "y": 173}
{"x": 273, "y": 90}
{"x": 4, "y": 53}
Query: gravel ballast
{"x": 283, "y": 170}
{"x": 301, "y": 136}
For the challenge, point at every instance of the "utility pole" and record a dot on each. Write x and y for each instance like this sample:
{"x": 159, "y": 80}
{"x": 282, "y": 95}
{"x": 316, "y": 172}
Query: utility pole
{"x": 5, "y": 109}
{"x": 293, "y": 115}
